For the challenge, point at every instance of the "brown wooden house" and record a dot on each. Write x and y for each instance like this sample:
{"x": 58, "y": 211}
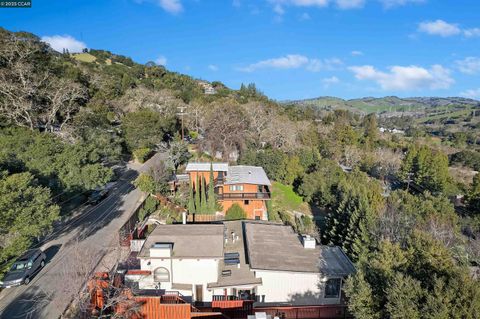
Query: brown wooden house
{"x": 248, "y": 186}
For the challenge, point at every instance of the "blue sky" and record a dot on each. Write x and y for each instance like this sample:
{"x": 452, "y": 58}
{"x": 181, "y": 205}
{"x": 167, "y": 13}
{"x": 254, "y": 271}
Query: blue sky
{"x": 291, "y": 49}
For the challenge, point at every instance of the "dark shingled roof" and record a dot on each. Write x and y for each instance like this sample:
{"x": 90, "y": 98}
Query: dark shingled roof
{"x": 278, "y": 247}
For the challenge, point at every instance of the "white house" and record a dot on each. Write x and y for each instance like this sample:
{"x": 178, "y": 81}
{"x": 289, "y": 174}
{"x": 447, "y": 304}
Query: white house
{"x": 293, "y": 268}
{"x": 183, "y": 258}
{"x": 248, "y": 260}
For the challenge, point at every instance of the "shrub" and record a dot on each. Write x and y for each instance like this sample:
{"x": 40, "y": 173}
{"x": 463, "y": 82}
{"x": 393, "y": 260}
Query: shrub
{"x": 272, "y": 214}
{"x": 235, "y": 212}
{"x": 142, "y": 154}
{"x": 145, "y": 183}
{"x": 149, "y": 206}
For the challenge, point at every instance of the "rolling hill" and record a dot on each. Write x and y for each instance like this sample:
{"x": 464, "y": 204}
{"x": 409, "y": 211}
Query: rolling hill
{"x": 387, "y": 104}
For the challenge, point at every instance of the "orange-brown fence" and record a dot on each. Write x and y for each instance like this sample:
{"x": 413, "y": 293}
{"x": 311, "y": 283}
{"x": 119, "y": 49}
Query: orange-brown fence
{"x": 307, "y": 312}
{"x": 199, "y": 218}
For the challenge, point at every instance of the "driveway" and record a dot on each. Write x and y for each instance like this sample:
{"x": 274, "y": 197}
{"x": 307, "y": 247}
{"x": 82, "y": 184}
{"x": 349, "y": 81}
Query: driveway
{"x": 73, "y": 250}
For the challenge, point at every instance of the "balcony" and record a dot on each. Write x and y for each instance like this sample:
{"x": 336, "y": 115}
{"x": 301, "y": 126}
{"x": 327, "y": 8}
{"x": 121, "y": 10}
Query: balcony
{"x": 259, "y": 195}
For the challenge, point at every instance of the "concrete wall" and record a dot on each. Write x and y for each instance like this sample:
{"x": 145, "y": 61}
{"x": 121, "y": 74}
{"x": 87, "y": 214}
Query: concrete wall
{"x": 182, "y": 271}
{"x": 293, "y": 287}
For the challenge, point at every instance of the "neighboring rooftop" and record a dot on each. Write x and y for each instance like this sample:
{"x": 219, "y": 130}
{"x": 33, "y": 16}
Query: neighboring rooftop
{"x": 236, "y": 275}
{"x": 334, "y": 262}
{"x": 205, "y": 167}
{"x": 190, "y": 240}
{"x": 247, "y": 175}
{"x": 278, "y": 247}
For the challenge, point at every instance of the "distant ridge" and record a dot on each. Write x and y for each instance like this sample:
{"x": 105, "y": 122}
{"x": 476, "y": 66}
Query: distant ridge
{"x": 385, "y": 104}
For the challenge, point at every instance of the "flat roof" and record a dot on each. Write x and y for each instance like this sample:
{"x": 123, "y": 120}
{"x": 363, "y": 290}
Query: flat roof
{"x": 242, "y": 174}
{"x": 190, "y": 240}
{"x": 238, "y": 276}
{"x": 278, "y": 247}
{"x": 205, "y": 167}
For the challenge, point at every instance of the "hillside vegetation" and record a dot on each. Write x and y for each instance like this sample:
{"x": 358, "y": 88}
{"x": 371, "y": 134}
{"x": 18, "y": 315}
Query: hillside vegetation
{"x": 66, "y": 120}
{"x": 387, "y": 104}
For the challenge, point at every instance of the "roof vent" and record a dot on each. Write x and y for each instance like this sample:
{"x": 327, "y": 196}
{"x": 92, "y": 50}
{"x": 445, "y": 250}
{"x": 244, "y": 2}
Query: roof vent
{"x": 249, "y": 172}
{"x": 308, "y": 242}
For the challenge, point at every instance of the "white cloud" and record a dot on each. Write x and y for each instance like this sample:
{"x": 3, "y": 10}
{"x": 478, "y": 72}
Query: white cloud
{"x": 278, "y": 9}
{"x": 439, "y": 27}
{"x": 350, "y": 4}
{"x": 290, "y": 61}
{"x": 471, "y": 33}
{"x": 404, "y": 78}
{"x": 304, "y": 16}
{"x": 397, "y": 3}
{"x": 356, "y": 53}
{"x": 295, "y": 61}
{"x": 469, "y": 65}
{"x": 330, "y": 81}
{"x": 278, "y": 5}
{"x": 316, "y": 65}
{"x": 161, "y": 60}
{"x": 472, "y": 94}
{"x": 172, "y": 6}
{"x": 213, "y": 67}
{"x": 301, "y": 3}
{"x": 60, "y": 42}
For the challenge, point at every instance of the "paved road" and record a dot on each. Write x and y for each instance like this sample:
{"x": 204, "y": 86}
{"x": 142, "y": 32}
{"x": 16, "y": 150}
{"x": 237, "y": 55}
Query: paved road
{"x": 73, "y": 250}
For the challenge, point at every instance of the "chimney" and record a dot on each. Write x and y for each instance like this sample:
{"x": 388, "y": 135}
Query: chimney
{"x": 308, "y": 242}
{"x": 184, "y": 217}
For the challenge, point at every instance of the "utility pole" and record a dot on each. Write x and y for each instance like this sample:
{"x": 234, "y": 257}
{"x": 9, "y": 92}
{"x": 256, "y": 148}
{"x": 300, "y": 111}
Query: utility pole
{"x": 182, "y": 114}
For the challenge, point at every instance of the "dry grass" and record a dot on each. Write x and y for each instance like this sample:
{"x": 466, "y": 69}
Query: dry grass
{"x": 84, "y": 57}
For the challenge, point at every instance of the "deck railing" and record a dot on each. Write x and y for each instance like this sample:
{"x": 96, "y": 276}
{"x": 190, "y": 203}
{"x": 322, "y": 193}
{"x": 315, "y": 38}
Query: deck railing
{"x": 232, "y": 297}
{"x": 259, "y": 195}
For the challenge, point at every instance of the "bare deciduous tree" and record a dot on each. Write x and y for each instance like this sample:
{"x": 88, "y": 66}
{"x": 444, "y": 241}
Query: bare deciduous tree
{"x": 20, "y": 85}
{"x": 63, "y": 97}
{"x": 225, "y": 130}
{"x": 30, "y": 96}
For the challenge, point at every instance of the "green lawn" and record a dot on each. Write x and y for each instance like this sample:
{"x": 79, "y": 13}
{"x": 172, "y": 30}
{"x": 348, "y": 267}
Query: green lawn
{"x": 285, "y": 199}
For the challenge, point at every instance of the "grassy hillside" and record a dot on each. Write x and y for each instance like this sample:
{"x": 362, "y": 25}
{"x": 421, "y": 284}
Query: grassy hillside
{"x": 387, "y": 104}
{"x": 84, "y": 57}
{"x": 285, "y": 199}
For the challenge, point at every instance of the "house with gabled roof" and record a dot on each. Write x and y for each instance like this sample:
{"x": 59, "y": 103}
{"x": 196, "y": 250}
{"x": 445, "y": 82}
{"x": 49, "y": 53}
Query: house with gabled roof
{"x": 247, "y": 186}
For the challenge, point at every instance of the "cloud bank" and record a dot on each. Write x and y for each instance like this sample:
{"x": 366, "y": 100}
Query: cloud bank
{"x": 67, "y": 42}
{"x": 406, "y": 78}
{"x": 294, "y": 61}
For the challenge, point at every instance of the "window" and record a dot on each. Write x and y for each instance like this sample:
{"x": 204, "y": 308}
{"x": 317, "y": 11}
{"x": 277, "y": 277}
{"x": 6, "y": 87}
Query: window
{"x": 236, "y": 188}
{"x": 332, "y": 288}
{"x": 161, "y": 275}
{"x": 246, "y": 202}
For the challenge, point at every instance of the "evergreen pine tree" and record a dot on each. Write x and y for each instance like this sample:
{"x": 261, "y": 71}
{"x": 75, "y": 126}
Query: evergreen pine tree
{"x": 473, "y": 197}
{"x": 197, "y": 196}
{"x": 361, "y": 298}
{"x": 203, "y": 197}
{"x": 191, "y": 201}
{"x": 211, "y": 201}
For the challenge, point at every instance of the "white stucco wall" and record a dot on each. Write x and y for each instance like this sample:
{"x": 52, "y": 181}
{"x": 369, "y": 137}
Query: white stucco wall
{"x": 293, "y": 287}
{"x": 182, "y": 271}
